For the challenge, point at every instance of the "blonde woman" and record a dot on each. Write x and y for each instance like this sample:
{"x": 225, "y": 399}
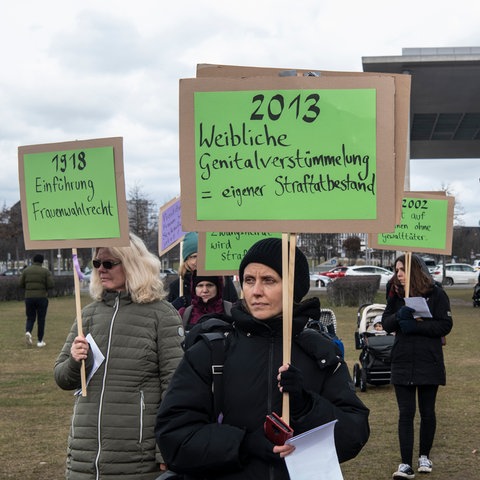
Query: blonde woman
{"x": 139, "y": 336}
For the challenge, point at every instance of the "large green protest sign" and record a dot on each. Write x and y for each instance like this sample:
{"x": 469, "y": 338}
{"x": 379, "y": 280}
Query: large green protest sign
{"x": 287, "y": 154}
{"x": 426, "y": 225}
{"x": 72, "y": 193}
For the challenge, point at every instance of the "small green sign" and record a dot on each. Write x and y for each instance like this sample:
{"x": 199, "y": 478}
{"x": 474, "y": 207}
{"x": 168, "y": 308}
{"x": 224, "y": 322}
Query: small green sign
{"x": 71, "y": 194}
{"x": 424, "y": 225}
{"x": 225, "y": 250}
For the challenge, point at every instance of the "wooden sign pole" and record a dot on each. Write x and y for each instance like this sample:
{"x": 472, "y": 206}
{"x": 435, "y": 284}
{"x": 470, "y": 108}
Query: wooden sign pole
{"x": 407, "y": 266}
{"x": 289, "y": 241}
{"x": 78, "y": 308}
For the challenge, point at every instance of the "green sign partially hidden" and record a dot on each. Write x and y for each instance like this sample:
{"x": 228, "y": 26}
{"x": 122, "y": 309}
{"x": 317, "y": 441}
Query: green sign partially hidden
{"x": 69, "y": 192}
{"x": 426, "y": 226}
{"x": 222, "y": 252}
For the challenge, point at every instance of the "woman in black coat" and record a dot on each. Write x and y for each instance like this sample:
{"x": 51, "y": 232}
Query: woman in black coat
{"x": 417, "y": 365}
{"x": 234, "y": 446}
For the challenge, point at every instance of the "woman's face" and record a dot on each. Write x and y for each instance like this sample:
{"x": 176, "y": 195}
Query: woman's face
{"x": 262, "y": 290}
{"x": 191, "y": 262}
{"x": 400, "y": 271}
{"x": 206, "y": 291}
{"x": 111, "y": 278}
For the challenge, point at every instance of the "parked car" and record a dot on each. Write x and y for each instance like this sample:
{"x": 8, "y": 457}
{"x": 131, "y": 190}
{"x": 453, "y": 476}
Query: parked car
{"x": 319, "y": 280}
{"x": 476, "y": 265}
{"x": 167, "y": 271}
{"x": 11, "y": 271}
{"x": 336, "y": 272}
{"x": 456, "y": 273}
{"x": 385, "y": 275}
{"x": 430, "y": 263}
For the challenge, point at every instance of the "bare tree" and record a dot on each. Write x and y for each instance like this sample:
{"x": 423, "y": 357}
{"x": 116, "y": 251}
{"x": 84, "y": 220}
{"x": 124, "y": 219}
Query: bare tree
{"x": 143, "y": 217}
{"x": 458, "y": 211}
{"x": 352, "y": 246}
{"x": 11, "y": 233}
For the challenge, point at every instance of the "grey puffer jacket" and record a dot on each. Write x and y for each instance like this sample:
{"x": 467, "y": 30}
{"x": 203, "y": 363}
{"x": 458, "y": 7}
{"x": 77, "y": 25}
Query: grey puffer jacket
{"x": 112, "y": 429}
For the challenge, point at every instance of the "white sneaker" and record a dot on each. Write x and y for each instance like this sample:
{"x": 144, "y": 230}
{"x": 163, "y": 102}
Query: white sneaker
{"x": 28, "y": 338}
{"x": 41, "y": 344}
{"x": 424, "y": 464}
{"x": 404, "y": 471}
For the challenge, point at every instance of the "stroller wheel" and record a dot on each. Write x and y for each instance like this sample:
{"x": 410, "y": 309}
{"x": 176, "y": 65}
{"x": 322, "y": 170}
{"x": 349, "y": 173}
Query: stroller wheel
{"x": 363, "y": 380}
{"x": 356, "y": 374}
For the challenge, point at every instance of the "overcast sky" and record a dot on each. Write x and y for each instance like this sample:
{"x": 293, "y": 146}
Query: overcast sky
{"x": 110, "y": 68}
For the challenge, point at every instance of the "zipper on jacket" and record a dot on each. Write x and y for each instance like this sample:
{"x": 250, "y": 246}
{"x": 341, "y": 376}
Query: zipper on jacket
{"x": 142, "y": 410}
{"x": 116, "y": 306}
{"x": 270, "y": 375}
{"x": 75, "y": 406}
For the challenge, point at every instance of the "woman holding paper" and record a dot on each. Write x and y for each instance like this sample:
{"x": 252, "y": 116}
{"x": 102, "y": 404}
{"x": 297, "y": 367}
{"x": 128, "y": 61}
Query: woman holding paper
{"x": 417, "y": 365}
{"x": 200, "y": 443}
{"x": 131, "y": 345}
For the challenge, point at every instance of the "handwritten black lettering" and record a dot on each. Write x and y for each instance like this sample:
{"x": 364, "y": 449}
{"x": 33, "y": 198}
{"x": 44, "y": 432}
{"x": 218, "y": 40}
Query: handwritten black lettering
{"x": 243, "y": 136}
{"x": 239, "y": 193}
{"x": 75, "y": 210}
{"x": 321, "y": 183}
{"x": 62, "y": 184}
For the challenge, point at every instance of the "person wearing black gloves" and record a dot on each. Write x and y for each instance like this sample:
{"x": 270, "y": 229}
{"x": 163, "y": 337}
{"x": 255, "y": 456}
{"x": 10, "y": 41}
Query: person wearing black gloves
{"x": 417, "y": 365}
{"x": 233, "y": 446}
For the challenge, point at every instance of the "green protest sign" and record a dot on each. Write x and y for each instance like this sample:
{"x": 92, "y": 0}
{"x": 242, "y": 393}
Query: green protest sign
{"x": 70, "y": 192}
{"x": 426, "y": 225}
{"x": 222, "y": 252}
{"x": 286, "y": 155}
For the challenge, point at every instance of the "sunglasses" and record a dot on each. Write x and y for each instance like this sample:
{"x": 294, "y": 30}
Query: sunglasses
{"x": 107, "y": 264}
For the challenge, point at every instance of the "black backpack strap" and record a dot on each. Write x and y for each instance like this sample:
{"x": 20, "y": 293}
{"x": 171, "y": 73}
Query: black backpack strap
{"x": 216, "y": 340}
{"x": 186, "y": 315}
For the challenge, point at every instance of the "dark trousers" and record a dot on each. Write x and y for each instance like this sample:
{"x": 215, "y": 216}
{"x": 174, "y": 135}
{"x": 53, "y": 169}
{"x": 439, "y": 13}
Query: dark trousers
{"x": 406, "y": 400}
{"x": 36, "y": 309}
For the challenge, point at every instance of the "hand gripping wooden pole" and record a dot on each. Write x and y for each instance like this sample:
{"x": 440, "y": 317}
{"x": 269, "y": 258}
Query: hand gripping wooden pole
{"x": 78, "y": 308}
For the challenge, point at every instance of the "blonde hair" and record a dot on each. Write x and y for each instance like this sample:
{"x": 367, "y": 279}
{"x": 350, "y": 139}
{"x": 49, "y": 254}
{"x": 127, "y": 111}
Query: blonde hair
{"x": 142, "y": 272}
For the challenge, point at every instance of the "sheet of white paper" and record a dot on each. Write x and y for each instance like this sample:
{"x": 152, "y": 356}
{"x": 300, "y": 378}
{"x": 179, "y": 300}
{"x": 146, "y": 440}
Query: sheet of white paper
{"x": 98, "y": 359}
{"x": 419, "y": 304}
{"x": 314, "y": 456}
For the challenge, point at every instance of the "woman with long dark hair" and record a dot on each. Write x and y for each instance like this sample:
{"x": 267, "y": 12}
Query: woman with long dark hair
{"x": 417, "y": 365}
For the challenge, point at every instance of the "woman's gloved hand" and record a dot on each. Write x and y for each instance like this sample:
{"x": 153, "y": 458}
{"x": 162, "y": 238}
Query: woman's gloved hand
{"x": 406, "y": 321}
{"x": 180, "y": 302}
{"x": 290, "y": 379}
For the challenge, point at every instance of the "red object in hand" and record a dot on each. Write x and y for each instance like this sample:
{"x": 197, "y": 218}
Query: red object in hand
{"x": 276, "y": 430}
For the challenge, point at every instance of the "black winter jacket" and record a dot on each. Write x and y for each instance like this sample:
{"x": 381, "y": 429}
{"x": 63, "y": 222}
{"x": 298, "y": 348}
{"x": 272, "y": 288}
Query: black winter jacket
{"x": 417, "y": 358}
{"x": 194, "y": 444}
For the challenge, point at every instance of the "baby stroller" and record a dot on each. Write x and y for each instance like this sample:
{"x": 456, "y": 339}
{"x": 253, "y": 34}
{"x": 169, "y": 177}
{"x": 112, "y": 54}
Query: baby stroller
{"x": 327, "y": 324}
{"x": 476, "y": 295}
{"x": 376, "y": 346}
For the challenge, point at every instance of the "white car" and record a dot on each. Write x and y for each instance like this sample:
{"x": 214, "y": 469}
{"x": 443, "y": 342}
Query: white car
{"x": 385, "y": 275}
{"x": 319, "y": 280}
{"x": 456, "y": 273}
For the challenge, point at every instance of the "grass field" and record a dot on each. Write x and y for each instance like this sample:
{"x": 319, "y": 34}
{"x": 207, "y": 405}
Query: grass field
{"x": 35, "y": 413}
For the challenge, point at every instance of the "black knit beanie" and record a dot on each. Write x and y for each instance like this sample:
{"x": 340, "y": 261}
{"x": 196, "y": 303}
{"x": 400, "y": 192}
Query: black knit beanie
{"x": 215, "y": 280}
{"x": 269, "y": 252}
